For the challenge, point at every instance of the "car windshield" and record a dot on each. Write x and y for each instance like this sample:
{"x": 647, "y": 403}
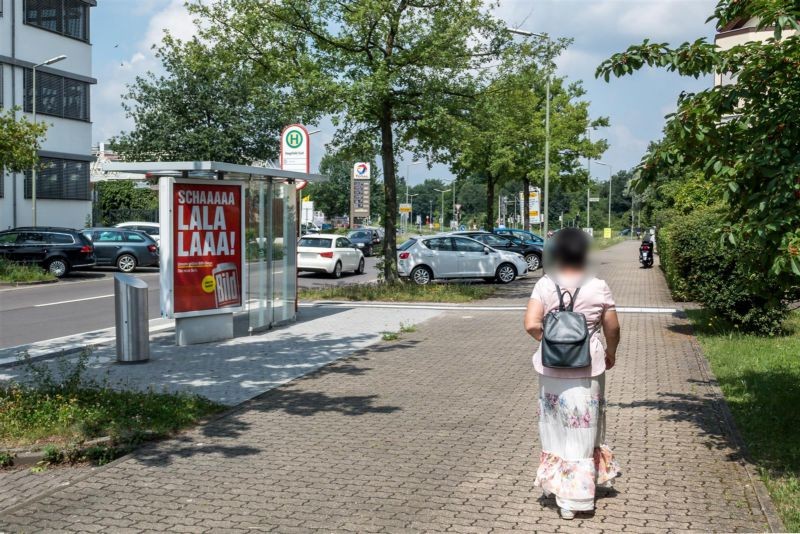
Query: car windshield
{"x": 407, "y": 244}
{"x": 314, "y": 242}
{"x": 358, "y": 235}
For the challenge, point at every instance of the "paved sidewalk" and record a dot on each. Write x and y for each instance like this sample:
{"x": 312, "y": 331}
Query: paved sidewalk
{"x": 435, "y": 432}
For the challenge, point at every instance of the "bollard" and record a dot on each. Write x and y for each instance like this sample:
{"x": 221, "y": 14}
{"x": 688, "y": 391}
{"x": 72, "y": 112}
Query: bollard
{"x": 133, "y": 326}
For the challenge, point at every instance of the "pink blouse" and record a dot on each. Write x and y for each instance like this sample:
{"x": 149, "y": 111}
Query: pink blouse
{"x": 593, "y": 300}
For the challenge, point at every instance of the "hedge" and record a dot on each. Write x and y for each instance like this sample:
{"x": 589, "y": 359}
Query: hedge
{"x": 699, "y": 265}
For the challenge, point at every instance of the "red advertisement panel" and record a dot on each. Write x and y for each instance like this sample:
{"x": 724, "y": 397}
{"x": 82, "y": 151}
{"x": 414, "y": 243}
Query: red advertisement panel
{"x": 207, "y": 246}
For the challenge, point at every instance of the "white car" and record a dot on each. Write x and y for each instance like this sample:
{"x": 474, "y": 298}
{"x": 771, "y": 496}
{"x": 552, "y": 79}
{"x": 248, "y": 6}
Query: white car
{"x": 443, "y": 256}
{"x": 328, "y": 253}
{"x": 153, "y": 229}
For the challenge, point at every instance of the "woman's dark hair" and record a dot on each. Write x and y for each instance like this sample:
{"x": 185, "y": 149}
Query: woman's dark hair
{"x": 570, "y": 248}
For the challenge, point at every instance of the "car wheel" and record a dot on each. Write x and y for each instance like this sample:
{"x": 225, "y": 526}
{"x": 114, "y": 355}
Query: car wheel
{"x": 337, "y": 270}
{"x": 360, "y": 269}
{"x": 533, "y": 261}
{"x": 126, "y": 263}
{"x": 58, "y": 267}
{"x": 506, "y": 273}
{"x": 421, "y": 275}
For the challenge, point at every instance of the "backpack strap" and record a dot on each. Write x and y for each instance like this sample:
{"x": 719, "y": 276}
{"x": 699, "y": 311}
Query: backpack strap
{"x": 560, "y": 297}
{"x": 572, "y": 297}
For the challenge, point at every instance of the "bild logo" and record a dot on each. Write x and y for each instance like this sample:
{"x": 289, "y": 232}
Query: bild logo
{"x": 294, "y": 138}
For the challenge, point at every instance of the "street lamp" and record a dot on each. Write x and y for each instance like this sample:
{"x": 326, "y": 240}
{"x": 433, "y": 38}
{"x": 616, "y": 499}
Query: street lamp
{"x": 408, "y": 176}
{"x": 546, "y": 122}
{"x": 442, "y": 191}
{"x": 609, "y": 189}
{"x": 33, "y": 98}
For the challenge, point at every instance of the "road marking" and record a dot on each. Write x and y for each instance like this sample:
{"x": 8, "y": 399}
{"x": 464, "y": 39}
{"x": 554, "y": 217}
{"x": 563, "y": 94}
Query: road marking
{"x": 455, "y": 307}
{"x": 71, "y": 301}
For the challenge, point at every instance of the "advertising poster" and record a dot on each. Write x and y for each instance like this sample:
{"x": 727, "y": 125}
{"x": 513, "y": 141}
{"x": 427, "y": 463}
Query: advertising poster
{"x": 206, "y": 245}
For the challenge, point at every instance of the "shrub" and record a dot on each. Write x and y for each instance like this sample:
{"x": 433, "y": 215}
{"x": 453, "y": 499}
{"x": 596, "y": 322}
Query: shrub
{"x": 723, "y": 276}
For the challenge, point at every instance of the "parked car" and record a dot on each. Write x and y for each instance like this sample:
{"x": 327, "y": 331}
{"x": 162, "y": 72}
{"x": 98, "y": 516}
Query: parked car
{"x": 329, "y": 253}
{"x": 532, "y": 253}
{"x": 326, "y": 227}
{"x": 377, "y": 234}
{"x": 529, "y": 238}
{"x": 58, "y": 250}
{"x": 309, "y": 228}
{"x": 126, "y": 249}
{"x": 363, "y": 239}
{"x": 153, "y": 229}
{"x": 446, "y": 256}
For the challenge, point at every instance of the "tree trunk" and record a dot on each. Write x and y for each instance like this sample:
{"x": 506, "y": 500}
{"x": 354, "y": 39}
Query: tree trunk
{"x": 490, "y": 201}
{"x": 390, "y": 196}
{"x": 526, "y": 203}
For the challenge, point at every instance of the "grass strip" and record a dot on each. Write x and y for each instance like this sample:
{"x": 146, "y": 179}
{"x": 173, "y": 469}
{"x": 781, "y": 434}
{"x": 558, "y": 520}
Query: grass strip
{"x": 61, "y": 408}
{"x": 760, "y": 377}
{"x": 12, "y": 272}
{"x": 402, "y": 292}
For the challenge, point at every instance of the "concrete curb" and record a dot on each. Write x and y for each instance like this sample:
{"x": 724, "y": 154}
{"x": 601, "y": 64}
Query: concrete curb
{"x": 726, "y": 418}
{"x": 25, "y": 457}
{"x": 26, "y": 284}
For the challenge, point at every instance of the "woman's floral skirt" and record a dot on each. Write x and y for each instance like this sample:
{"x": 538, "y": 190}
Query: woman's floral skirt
{"x": 572, "y": 423}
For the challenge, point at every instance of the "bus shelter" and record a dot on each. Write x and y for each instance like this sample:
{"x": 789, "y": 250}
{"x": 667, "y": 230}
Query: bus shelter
{"x": 228, "y": 244}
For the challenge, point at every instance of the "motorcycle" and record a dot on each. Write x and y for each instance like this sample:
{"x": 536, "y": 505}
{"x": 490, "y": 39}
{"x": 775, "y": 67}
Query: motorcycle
{"x": 646, "y": 254}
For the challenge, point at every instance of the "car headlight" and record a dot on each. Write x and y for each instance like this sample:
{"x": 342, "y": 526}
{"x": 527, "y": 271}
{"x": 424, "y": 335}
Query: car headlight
{"x": 360, "y": 245}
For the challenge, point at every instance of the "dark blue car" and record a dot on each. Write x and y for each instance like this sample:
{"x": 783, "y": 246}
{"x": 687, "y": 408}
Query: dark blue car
{"x": 529, "y": 238}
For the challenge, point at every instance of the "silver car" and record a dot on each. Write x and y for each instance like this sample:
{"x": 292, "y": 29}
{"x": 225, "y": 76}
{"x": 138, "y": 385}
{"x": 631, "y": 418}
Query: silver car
{"x": 443, "y": 256}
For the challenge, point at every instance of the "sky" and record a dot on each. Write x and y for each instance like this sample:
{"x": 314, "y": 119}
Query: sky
{"x": 124, "y": 31}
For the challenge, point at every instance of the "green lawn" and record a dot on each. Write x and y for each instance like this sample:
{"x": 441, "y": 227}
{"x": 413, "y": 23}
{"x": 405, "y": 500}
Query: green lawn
{"x": 11, "y": 272}
{"x": 403, "y": 292}
{"x": 63, "y": 409}
{"x": 760, "y": 378}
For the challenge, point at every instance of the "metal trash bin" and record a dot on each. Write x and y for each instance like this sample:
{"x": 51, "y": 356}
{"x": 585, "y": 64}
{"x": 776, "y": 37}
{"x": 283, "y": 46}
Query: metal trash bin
{"x": 133, "y": 326}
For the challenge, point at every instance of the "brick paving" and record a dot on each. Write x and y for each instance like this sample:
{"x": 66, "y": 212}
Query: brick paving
{"x": 435, "y": 432}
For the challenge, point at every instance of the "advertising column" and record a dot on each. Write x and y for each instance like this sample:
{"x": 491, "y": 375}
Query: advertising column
{"x": 202, "y": 256}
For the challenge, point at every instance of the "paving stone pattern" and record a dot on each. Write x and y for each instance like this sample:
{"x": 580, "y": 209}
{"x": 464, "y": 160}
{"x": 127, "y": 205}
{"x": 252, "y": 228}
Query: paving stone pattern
{"x": 436, "y": 432}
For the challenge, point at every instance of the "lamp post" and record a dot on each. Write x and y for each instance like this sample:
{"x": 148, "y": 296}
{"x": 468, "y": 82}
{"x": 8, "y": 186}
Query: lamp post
{"x": 408, "y": 174}
{"x": 609, "y": 189}
{"x": 33, "y": 99}
{"x": 546, "y": 122}
{"x": 442, "y": 191}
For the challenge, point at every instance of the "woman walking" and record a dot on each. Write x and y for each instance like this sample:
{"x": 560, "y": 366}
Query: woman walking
{"x": 572, "y": 409}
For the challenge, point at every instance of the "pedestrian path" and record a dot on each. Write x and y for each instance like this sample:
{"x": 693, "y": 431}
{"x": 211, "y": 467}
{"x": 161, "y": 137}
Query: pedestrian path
{"x": 437, "y": 432}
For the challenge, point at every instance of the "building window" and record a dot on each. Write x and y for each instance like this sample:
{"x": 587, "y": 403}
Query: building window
{"x": 60, "y": 179}
{"x": 66, "y": 17}
{"x": 57, "y": 96}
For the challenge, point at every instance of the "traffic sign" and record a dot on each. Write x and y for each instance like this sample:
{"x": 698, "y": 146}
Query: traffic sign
{"x": 294, "y": 154}
{"x": 607, "y": 233}
{"x": 594, "y": 199}
{"x": 405, "y": 208}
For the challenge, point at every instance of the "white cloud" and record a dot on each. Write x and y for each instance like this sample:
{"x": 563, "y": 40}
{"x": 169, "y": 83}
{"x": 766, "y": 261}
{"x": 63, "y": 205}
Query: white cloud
{"x": 113, "y": 77}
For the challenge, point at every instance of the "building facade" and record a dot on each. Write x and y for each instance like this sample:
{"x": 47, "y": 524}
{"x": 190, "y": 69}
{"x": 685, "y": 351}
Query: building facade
{"x": 739, "y": 32}
{"x": 31, "y": 32}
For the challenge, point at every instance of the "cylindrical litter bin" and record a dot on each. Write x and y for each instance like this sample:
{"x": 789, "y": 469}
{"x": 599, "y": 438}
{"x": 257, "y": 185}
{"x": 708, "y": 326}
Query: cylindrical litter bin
{"x": 133, "y": 326}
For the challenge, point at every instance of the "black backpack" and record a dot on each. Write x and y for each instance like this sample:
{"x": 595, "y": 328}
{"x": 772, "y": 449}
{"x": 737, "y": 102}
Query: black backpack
{"x": 566, "y": 340}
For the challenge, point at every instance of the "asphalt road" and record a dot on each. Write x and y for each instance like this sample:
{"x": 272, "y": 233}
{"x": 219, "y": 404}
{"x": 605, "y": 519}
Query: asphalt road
{"x": 84, "y": 301}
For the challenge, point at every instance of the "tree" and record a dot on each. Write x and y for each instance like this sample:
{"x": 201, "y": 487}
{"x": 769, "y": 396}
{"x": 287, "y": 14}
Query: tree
{"x": 118, "y": 200}
{"x": 211, "y": 105}
{"x": 503, "y": 136}
{"x": 19, "y": 141}
{"x": 389, "y": 71}
{"x": 741, "y": 136}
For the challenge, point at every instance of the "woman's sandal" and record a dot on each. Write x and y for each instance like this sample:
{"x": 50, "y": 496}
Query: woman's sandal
{"x": 567, "y": 514}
